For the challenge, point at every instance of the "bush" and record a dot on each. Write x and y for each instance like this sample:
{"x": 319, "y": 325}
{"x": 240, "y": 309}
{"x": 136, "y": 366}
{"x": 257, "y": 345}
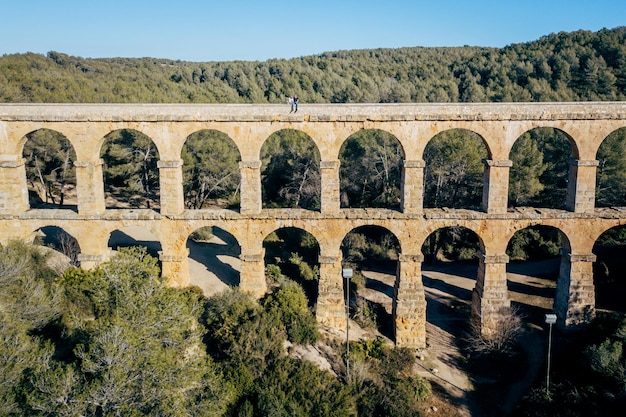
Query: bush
{"x": 501, "y": 342}
{"x": 289, "y": 306}
{"x": 203, "y": 234}
{"x": 296, "y": 388}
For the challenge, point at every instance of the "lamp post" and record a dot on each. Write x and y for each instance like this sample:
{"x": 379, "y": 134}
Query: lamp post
{"x": 347, "y": 274}
{"x": 550, "y": 320}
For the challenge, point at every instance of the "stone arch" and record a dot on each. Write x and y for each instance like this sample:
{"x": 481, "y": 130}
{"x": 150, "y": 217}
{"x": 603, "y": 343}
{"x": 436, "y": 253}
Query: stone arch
{"x": 452, "y": 260}
{"x": 534, "y": 271}
{"x": 293, "y": 253}
{"x": 454, "y": 169}
{"x": 609, "y": 269}
{"x": 541, "y": 168}
{"x": 62, "y": 242}
{"x": 290, "y": 171}
{"x": 131, "y": 175}
{"x": 611, "y": 171}
{"x": 210, "y": 170}
{"x": 370, "y": 172}
{"x": 372, "y": 252}
{"x": 49, "y": 158}
{"x": 214, "y": 263}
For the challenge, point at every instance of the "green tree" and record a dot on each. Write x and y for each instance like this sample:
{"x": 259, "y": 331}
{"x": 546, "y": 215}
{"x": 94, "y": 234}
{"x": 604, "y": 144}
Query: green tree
{"x": 50, "y": 169}
{"x": 611, "y": 174}
{"x": 141, "y": 353}
{"x": 299, "y": 388}
{"x": 289, "y": 306}
{"x": 131, "y": 175}
{"x": 454, "y": 170}
{"x": 29, "y": 302}
{"x": 290, "y": 174}
{"x": 540, "y": 168}
{"x": 210, "y": 169}
{"x": 371, "y": 170}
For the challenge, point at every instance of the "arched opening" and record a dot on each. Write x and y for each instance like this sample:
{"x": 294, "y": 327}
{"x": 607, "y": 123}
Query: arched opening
{"x": 131, "y": 176}
{"x": 50, "y": 172}
{"x": 214, "y": 263}
{"x": 66, "y": 247}
{"x": 211, "y": 174}
{"x": 292, "y": 253}
{"x": 135, "y": 236}
{"x": 453, "y": 175}
{"x": 609, "y": 272}
{"x": 371, "y": 170}
{"x": 449, "y": 275}
{"x": 372, "y": 253}
{"x": 533, "y": 270}
{"x": 290, "y": 171}
{"x": 540, "y": 170}
{"x": 611, "y": 173}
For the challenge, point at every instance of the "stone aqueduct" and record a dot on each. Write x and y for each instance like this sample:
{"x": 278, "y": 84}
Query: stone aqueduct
{"x": 499, "y": 125}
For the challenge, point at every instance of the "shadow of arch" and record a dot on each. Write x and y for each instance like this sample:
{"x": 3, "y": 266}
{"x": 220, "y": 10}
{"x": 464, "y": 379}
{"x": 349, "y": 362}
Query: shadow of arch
{"x": 214, "y": 263}
{"x": 290, "y": 171}
{"x": 293, "y": 253}
{"x": 211, "y": 175}
{"x": 454, "y": 170}
{"x": 533, "y": 270}
{"x": 50, "y": 173}
{"x": 370, "y": 173}
{"x": 611, "y": 171}
{"x": 372, "y": 253}
{"x": 62, "y": 242}
{"x": 540, "y": 170}
{"x": 609, "y": 270}
{"x": 449, "y": 275}
{"x": 135, "y": 236}
{"x": 131, "y": 175}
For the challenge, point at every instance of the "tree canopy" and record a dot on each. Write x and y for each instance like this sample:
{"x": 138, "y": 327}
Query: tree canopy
{"x": 564, "y": 66}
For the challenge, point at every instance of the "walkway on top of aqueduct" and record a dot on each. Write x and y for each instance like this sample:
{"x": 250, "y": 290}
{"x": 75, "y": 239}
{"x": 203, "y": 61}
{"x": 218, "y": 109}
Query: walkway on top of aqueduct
{"x": 86, "y": 126}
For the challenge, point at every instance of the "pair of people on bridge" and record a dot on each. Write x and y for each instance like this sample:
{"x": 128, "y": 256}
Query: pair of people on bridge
{"x": 293, "y": 101}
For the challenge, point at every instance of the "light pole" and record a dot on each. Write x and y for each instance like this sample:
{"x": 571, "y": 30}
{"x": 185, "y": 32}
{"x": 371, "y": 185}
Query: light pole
{"x": 550, "y": 320}
{"x": 347, "y": 274}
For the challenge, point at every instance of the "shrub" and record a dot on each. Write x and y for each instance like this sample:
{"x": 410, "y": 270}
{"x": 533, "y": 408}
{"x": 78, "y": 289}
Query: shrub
{"x": 202, "y": 234}
{"x": 501, "y": 341}
{"x": 299, "y": 389}
{"x": 289, "y": 306}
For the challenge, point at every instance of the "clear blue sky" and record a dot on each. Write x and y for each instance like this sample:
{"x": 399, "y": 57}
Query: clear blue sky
{"x": 227, "y": 30}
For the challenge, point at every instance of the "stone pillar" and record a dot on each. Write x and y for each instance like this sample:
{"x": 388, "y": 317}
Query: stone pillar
{"x": 13, "y": 188}
{"x": 496, "y": 185}
{"x": 175, "y": 268}
{"x": 251, "y": 196}
{"x": 171, "y": 186}
{"x": 331, "y": 304}
{"x": 330, "y": 186}
{"x": 574, "y": 303}
{"x": 90, "y": 187}
{"x": 490, "y": 298}
{"x": 412, "y": 186}
{"x": 252, "y": 275}
{"x": 409, "y": 303}
{"x": 90, "y": 261}
{"x": 581, "y": 186}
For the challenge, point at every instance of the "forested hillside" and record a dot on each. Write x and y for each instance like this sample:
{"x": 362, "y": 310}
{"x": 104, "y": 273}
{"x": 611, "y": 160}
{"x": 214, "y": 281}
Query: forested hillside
{"x": 576, "y": 66}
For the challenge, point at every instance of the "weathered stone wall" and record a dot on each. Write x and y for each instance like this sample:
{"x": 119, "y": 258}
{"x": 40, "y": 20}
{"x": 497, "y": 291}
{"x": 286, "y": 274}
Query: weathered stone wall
{"x": 499, "y": 125}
